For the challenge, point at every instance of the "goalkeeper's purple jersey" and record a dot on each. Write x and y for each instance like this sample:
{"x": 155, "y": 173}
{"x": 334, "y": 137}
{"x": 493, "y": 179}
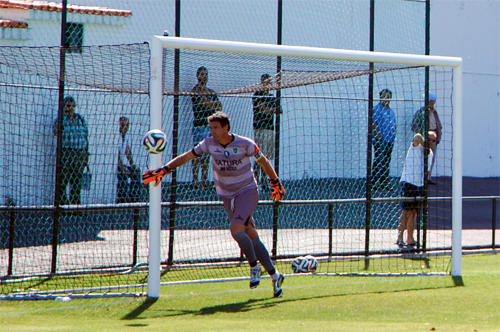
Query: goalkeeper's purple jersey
{"x": 232, "y": 167}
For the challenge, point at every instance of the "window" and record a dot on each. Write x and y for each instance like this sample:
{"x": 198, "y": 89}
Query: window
{"x": 74, "y": 37}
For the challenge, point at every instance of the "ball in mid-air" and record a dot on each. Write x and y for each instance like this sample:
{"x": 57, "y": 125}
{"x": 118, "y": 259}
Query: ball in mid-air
{"x": 155, "y": 141}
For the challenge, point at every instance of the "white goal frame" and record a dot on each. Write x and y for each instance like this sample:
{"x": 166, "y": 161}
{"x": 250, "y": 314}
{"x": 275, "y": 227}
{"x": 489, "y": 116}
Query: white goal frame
{"x": 158, "y": 43}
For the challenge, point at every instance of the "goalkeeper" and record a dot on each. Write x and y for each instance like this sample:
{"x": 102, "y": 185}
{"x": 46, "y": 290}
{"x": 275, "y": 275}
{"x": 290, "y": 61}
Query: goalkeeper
{"x": 236, "y": 185}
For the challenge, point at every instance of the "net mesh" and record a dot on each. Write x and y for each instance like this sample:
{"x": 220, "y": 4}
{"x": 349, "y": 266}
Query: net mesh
{"x": 319, "y": 145}
{"x": 106, "y": 83}
{"x": 321, "y": 142}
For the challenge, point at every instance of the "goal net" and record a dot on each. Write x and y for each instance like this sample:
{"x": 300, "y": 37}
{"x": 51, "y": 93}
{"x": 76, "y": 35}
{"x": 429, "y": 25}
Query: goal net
{"x": 323, "y": 150}
{"x": 108, "y": 243}
{"x": 92, "y": 241}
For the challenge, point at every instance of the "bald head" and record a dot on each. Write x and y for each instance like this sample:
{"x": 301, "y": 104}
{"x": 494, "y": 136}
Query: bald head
{"x": 431, "y": 138}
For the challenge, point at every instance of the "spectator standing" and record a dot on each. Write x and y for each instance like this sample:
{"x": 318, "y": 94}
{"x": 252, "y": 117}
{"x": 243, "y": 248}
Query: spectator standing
{"x": 205, "y": 103}
{"x": 418, "y": 126}
{"x": 412, "y": 183}
{"x": 264, "y": 108}
{"x": 384, "y": 135}
{"x": 75, "y": 152}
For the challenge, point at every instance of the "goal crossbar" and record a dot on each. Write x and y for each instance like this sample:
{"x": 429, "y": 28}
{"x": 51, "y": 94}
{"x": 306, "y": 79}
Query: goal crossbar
{"x": 158, "y": 43}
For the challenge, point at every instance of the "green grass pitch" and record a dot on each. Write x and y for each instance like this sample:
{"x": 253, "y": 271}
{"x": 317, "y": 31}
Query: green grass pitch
{"x": 310, "y": 303}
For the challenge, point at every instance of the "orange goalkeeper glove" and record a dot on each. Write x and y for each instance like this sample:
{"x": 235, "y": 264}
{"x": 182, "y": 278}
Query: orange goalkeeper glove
{"x": 155, "y": 175}
{"x": 278, "y": 191}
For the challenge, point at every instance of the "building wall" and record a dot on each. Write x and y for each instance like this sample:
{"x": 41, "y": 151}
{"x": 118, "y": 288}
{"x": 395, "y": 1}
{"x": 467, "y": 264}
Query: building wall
{"x": 471, "y": 30}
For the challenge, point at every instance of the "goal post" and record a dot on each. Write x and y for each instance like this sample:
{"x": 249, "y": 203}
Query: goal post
{"x": 159, "y": 43}
{"x": 154, "y": 163}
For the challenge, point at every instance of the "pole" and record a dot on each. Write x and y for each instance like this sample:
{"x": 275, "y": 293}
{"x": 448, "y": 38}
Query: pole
{"x": 457, "y": 164}
{"x": 175, "y": 134}
{"x": 60, "y": 113}
{"x": 156, "y": 99}
{"x": 425, "y": 210}
{"x": 369, "y": 144}
{"x": 277, "y": 128}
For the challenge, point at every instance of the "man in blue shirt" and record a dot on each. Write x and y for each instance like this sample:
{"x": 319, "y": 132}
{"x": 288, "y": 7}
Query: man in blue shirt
{"x": 384, "y": 135}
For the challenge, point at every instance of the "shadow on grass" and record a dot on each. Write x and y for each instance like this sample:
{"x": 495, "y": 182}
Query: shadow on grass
{"x": 251, "y": 304}
{"x": 416, "y": 258}
{"x": 140, "y": 309}
{"x": 262, "y": 303}
{"x": 458, "y": 281}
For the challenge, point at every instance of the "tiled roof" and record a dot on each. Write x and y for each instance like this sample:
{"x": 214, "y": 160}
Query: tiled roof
{"x": 13, "y": 24}
{"x": 57, "y": 7}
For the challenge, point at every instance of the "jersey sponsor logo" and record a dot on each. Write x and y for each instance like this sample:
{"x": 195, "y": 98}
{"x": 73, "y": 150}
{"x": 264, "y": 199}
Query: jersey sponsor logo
{"x": 228, "y": 163}
{"x": 226, "y": 153}
{"x": 229, "y": 168}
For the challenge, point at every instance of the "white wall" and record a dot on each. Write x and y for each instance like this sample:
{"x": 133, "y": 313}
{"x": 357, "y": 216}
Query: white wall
{"x": 471, "y": 30}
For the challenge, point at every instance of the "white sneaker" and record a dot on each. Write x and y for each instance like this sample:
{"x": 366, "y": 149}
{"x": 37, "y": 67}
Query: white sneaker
{"x": 255, "y": 276}
{"x": 278, "y": 291}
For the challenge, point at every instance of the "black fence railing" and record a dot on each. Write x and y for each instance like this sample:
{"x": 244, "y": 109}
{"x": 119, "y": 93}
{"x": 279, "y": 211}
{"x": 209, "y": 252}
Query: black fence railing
{"x": 137, "y": 207}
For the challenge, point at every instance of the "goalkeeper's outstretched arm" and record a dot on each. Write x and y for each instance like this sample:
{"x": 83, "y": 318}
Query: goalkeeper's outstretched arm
{"x": 181, "y": 159}
{"x": 157, "y": 174}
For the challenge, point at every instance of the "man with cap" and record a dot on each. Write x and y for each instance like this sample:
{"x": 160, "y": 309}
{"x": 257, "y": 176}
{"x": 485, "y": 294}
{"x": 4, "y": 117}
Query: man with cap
{"x": 418, "y": 126}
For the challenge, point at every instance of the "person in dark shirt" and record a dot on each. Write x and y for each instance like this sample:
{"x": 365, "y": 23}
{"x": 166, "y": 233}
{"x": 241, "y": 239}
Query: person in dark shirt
{"x": 264, "y": 108}
{"x": 418, "y": 126}
{"x": 205, "y": 103}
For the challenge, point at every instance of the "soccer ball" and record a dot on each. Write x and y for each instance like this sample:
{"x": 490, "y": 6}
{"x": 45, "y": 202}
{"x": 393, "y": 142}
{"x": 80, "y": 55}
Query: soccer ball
{"x": 305, "y": 264}
{"x": 313, "y": 263}
{"x": 300, "y": 265}
{"x": 155, "y": 141}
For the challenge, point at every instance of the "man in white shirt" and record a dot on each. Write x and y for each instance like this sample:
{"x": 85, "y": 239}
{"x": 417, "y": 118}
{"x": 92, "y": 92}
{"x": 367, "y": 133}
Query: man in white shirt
{"x": 126, "y": 168}
{"x": 412, "y": 183}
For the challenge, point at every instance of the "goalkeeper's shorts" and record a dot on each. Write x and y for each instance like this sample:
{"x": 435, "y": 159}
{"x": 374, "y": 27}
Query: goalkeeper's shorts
{"x": 240, "y": 209}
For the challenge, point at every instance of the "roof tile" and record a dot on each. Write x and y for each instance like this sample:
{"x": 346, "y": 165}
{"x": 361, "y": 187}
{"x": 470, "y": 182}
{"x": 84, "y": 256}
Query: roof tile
{"x": 55, "y": 6}
{"x": 13, "y": 24}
